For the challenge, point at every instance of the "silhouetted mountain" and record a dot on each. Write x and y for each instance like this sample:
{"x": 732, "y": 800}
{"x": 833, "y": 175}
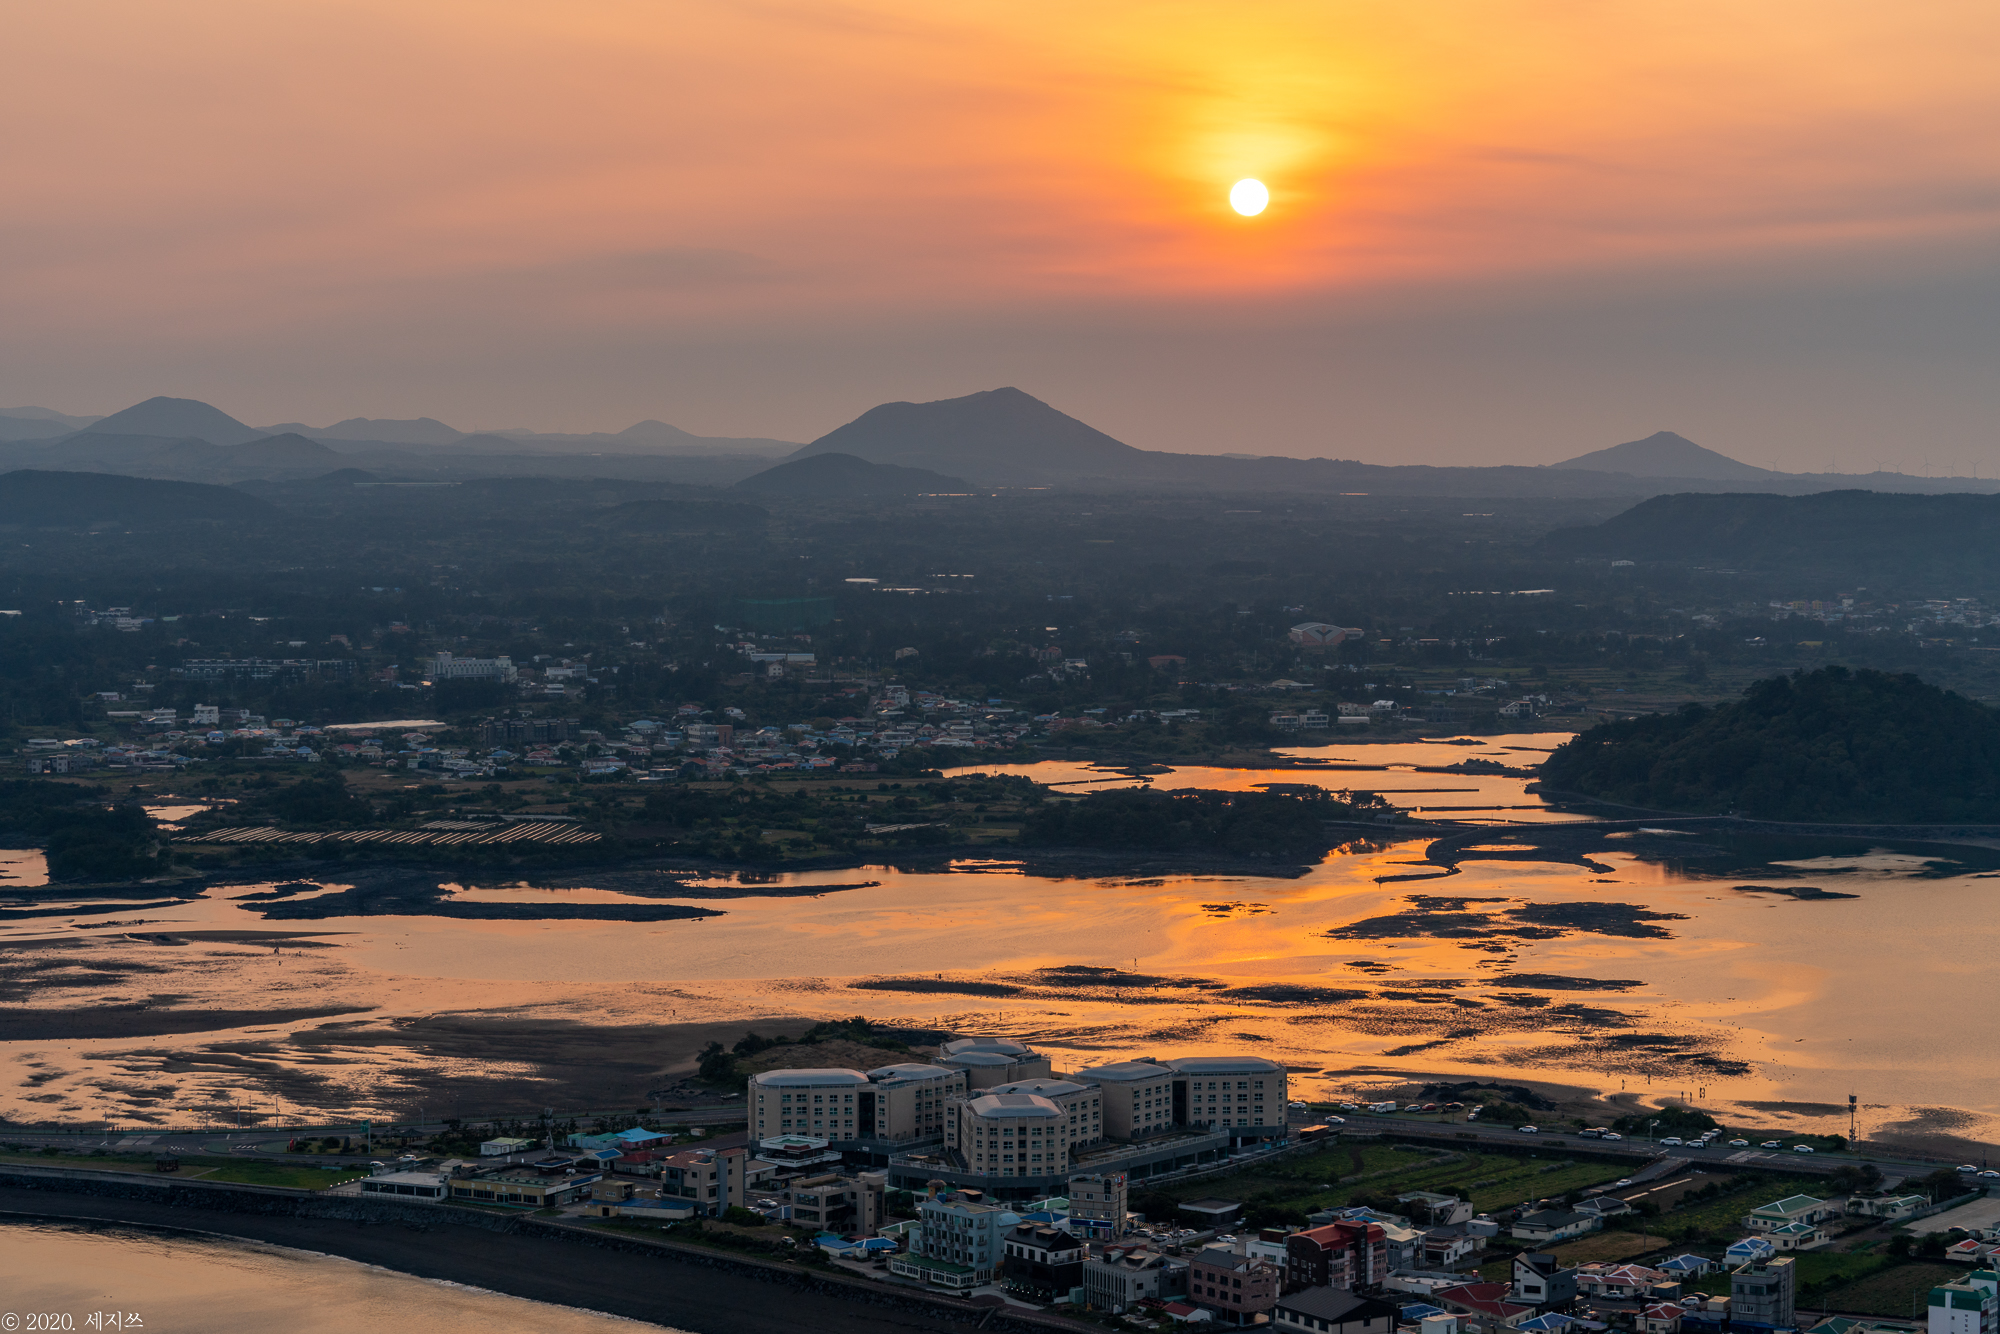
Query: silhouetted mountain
{"x": 83, "y": 499}
{"x": 1848, "y": 537}
{"x": 839, "y": 475}
{"x": 1664, "y": 454}
{"x": 288, "y": 451}
{"x": 67, "y": 419}
{"x": 179, "y": 418}
{"x": 420, "y": 431}
{"x": 998, "y": 435}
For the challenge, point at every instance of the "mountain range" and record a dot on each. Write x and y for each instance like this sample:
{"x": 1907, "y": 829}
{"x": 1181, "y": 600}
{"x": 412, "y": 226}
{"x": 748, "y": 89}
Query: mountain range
{"x": 994, "y": 438}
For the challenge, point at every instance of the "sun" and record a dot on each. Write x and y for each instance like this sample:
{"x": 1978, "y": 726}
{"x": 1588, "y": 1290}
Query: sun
{"x": 1249, "y": 197}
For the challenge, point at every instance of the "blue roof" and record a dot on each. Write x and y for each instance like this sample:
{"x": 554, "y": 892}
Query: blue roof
{"x": 638, "y": 1136}
{"x": 1418, "y": 1310}
{"x": 1541, "y": 1324}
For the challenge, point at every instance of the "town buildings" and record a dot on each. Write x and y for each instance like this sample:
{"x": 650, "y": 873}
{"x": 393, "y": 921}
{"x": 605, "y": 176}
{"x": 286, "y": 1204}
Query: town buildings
{"x": 1969, "y": 1306}
{"x": 1240, "y": 1289}
{"x": 1764, "y": 1292}
{"x": 1042, "y": 1261}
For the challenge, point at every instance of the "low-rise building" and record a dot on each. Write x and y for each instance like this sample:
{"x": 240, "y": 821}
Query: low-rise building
{"x": 958, "y": 1244}
{"x": 535, "y": 1190}
{"x": 1120, "y": 1277}
{"x": 1791, "y": 1209}
{"x": 1545, "y": 1227}
{"x": 1240, "y": 1289}
{"x": 1041, "y": 1261}
{"x": 1541, "y": 1281}
{"x": 408, "y": 1185}
{"x": 1337, "y": 1311}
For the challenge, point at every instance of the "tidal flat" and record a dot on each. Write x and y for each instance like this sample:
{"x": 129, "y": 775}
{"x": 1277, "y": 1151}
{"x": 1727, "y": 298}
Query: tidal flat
{"x": 1626, "y": 960}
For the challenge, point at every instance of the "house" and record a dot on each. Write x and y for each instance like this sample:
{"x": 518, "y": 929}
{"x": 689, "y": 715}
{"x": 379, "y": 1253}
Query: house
{"x": 1436, "y": 1210}
{"x": 1445, "y": 1246}
{"x": 1540, "y": 1281}
{"x": 1749, "y": 1249}
{"x": 1605, "y": 1206}
{"x": 1550, "y": 1322}
{"x": 1489, "y": 1301}
{"x": 500, "y": 1148}
{"x": 1545, "y": 1227}
{"x": 1660, "y": 1318}
{"x": 1891, "y": 1207}
{"x": 1971, "y": 1251}
{"x": 1622, "y": 1281}
{"x": 1686, "y": 1266}
{"x": 1796, "y": 1237}
{"x": 1334, "y": 1311}
{"x": 1791, "y": 1209}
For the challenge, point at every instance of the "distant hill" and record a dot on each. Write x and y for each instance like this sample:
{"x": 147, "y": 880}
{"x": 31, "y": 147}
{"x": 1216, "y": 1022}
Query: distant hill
{"x": 1664, "y": 454}
{"x": 288, "y": 451}
{"x": 178, "y": 418}
{"x": 1825, "y": 746}
{"x": 419, "y": 431}
{"x": 82, "y": 499}
{"x": 839, "y": 475}
{"x": 996, "y": 436}
{"x": 31, "y": 428}
{"x": 1850, "y": 537}
{"x": 65, "y": 419}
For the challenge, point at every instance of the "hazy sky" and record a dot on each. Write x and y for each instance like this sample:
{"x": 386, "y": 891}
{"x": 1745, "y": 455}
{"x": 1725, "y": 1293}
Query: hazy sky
{"x": 1499, "y": 232}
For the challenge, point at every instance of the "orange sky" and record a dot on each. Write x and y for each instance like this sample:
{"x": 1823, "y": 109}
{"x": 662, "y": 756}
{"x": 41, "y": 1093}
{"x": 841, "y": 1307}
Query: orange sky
{"x": 763, "y": 217}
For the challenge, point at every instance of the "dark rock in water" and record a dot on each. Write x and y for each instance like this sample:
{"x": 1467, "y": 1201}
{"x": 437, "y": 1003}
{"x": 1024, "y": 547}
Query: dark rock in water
{"x": 1557, "y": 982}
{"x": 1802, "y": 892}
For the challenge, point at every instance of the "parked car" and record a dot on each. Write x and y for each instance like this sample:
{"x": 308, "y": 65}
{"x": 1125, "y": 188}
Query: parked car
{"x": 1527, "y": 1130}
{"x": 1802, "y": 1148}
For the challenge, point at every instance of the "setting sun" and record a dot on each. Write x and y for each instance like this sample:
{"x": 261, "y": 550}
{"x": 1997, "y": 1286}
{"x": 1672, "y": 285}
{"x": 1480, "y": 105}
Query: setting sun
{"x": 1249, "y": 197}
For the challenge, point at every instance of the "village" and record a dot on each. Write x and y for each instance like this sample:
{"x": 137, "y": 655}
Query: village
{"x": 1119, "y": 1194}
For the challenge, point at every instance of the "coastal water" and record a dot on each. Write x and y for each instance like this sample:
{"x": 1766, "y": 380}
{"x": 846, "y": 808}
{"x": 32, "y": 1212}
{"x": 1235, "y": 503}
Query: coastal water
{"x": 1774, "y": 976}
{"x": 184, "y": 1283}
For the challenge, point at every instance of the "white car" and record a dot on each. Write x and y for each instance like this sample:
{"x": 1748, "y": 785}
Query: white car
{"x": 1967, "y": 1167}
{"x": 1802, "y": 1148}
{"x": 1621, "y": 1181}
{"x": 1770, "y": 1144}
{"x": 1672, "y": 1139}
{"x": 1612, "y": 1134}
{"x": 1739, "y": 1144}
{"x": 1336, "y": 1120}
{"x": 1528, "y": 1130}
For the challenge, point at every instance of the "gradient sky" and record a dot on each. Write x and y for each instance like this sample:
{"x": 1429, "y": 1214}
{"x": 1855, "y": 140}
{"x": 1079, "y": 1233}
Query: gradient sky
{"x": 1499, "y": 232}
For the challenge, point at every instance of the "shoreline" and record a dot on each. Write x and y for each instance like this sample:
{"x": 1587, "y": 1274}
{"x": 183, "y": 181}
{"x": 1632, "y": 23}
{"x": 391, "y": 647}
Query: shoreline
{"x": 515, "y": 1256}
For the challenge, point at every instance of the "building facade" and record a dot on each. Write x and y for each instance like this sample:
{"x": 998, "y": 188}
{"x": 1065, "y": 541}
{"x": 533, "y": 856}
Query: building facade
{"x": 1098, "y": 1205}
{"x": 1338, "y": 1255}
{"x": 1041, "y": 1261}
{"x": 1764, "y": 1292}
{"x": 1240, "y": 1289}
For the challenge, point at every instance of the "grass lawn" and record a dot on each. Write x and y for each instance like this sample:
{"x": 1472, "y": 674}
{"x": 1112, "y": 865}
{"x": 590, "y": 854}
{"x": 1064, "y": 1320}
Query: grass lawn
{"x": 1603, "y": 1246}
{"x": 252, "y": 1172}
{"x": 1815, "y": 1270}
{"x": 1724, "y": 1213}
{"x": 1896, "y": 1292}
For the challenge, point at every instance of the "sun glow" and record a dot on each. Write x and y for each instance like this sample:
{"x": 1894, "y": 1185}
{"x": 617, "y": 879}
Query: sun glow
{"x": 1249, "y": 197}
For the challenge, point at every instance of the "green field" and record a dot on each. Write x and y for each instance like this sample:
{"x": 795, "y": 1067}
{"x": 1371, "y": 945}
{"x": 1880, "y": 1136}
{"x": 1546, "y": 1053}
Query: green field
{"x": 240, "y": 1171}
{"x": 1722, "y": 1216}
{"x": 1897, "y": 1293}
{"x": 1313, "y": 1181}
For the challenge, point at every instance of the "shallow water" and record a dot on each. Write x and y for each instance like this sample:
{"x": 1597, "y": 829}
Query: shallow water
{"x": 1663, "y": 962}
{"x": 180, "y": 1283}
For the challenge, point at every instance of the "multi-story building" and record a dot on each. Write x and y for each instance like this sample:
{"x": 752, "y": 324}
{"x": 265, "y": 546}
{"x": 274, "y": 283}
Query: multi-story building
{"x": 893, "y": 1105}
{"x": 839, "y": 1203}
{"x": 1137, "y": 1095}
{"x": 1969, "y": 1306}
{"x": 1011, "y": 1135}
{"x": 445, "y": 667}
{"x": 712, "y": 1180}
{"x": 1082, "y": 1104}
{"x": 1244, "y": 1095}
{"x": 1238, "y": 1288}
{"x": 1764, "y": 1292}
{"x": 957, "y": 1242}
{"x": 1119, "y": 1277}
{"x": 1350, "y": 1255}
{"x": 988, "y": 1062}
{"x": 1098, "y": 1205}
{"x": 1041, "y": 1261}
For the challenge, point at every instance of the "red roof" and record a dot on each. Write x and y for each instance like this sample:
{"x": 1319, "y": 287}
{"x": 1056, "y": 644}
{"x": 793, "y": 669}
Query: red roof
{"x": 1488, "y": 1299}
